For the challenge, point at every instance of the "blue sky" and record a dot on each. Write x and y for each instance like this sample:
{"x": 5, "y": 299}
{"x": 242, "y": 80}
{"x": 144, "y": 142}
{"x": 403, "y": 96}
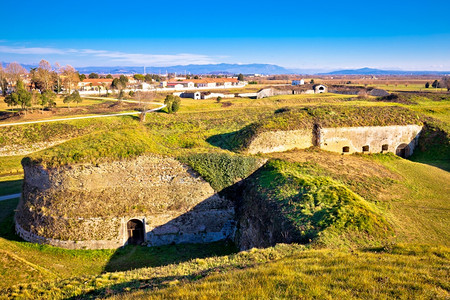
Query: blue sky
{"x": 412, "y": 35}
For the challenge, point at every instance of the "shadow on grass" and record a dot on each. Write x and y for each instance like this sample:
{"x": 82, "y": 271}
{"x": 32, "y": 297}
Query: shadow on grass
{"x": 224, "y": 140}
{"x": 436, "y": 155}
{"x": 142, "y": 284}
{"x": 7, "y": 230}
{"x": 133, "y": 257}
{"x": 10, "y": 187}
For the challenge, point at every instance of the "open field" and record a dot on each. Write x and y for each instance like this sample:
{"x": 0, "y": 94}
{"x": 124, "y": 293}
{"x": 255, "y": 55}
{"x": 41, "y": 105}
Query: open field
{"x": 411, "y": 261}
{"x": 58, "y": 100}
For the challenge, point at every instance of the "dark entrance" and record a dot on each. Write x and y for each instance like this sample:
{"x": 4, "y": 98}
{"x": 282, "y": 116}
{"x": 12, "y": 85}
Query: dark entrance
{"x": 135, "y": 229}
{"x": 403, "y": 151}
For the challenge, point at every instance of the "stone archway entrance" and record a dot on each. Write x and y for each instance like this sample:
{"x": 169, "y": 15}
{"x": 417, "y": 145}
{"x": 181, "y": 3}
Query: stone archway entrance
{"x": 403, "y": 151}
{"x": 135, "y": 230}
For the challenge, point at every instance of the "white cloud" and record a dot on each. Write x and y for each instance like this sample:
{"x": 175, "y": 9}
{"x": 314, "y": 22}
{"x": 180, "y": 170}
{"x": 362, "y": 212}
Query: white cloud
{"x": 116, "y": 56}
{"x": 32, "y": 50}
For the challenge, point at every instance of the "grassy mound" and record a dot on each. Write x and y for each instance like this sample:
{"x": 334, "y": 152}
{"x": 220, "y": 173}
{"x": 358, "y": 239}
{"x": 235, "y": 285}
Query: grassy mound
{"x": 324, "y": 116}
{"x": 434, "y": 145}
{"x": 47, "y": 132}
{"x": 414, "y": 98}
{"x": 307, "y": 208}
{"x": 98, "y": 147}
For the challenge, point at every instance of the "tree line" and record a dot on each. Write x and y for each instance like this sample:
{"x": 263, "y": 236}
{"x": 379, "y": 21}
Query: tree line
{"x": 443, "y": 83}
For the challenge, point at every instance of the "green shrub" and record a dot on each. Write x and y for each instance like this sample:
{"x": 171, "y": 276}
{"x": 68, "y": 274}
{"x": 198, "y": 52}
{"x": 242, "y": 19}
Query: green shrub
{"x": 172, "y": 103}
{"x": 220, "y": 169}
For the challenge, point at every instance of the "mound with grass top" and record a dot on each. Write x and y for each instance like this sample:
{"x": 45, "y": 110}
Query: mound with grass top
{"x": 282, "y": 203}
{"x": 290, "y": 119}
{"x": 98, "y": 147}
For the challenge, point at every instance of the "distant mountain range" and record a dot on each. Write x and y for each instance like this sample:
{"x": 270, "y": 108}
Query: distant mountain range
{"x": 370, "y": 71}
{"x": 194, "y": 69}
{"x": 231, "y": 69}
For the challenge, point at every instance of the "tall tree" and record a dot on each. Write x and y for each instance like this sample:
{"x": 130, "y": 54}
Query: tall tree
{"x": 82, "y": 76}
{"x": 57, "y": 74}
{"x": 241, "y": 77}
{"x": 71, "y": 78}
{"x": 124, "y": 80}
{"x": 446, "y": 82}
{"x": 3, "y": 80}
{"x": 435, "y": 84}
{"x": 20, "y": 97}
{"x": 139, "y": 77}
{"x": 15, "y": 71}
{"x": 48, "y": 99}
{"x": 74, "y": 97}
{"x": 44, "y": 75}
{"x": 93, "y": 76}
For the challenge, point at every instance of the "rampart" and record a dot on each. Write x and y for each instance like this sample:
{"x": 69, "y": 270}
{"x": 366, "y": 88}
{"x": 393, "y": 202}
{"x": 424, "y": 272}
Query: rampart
{"x": 151, "y": 199}
{"x": 398, "y": 139}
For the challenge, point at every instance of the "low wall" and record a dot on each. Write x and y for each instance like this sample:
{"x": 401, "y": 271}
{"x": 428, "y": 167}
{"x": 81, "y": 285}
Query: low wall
{"x": 279, "y": 141}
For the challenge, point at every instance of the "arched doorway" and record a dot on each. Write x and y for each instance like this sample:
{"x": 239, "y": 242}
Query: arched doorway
{"x": 135, "y": 230}
{"x": 402, "y": 151}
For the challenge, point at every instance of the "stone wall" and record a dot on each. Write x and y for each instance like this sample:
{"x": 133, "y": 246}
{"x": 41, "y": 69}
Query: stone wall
{"x": 374, "y": 139}
{"x": 88, "y": 206}
{"x": 279, "y": 141}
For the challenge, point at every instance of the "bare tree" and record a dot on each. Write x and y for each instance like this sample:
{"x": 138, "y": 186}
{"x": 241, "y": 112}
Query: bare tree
{"x": 3, "y": 80}
{"x": 15, "y": 71}
{"x": 57, "y": 75}
{"x": 144, "y": 98}
{"x": 44, "y": 74}
{"x": 70, "y": 77}
{"x": 446, "y": 82}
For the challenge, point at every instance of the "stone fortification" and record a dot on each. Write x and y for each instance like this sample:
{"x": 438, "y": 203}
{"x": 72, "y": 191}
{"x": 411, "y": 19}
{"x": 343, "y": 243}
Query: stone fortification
{"x": 401, "y": 139}
{"x": 91, "y": 206}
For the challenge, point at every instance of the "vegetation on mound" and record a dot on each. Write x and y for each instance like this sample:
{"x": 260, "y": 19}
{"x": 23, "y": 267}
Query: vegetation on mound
{"x": 55, "y": 131}
{"x": 324, "y": 116}
{"x": 222, "y": 169}
{"x": 317, "y": 207}
{"x": 98, "y": 147}
{"x": 434, "y": 145}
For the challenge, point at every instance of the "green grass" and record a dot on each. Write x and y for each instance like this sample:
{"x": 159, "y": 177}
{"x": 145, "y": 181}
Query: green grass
{"x": 322, "y": 274}
{"x": 98, "y": 147}
{"x": 313, "y": 208}
{"x": 412, "y": 198}
{"x": 418, "y": 206}
{"x": 10, "y": 184}
{"x": 10, "y": 165}
{"x": 55, "y": 131}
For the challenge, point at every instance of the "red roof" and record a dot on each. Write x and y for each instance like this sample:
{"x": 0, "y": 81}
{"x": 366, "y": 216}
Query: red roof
{"x": 98, "y": 80}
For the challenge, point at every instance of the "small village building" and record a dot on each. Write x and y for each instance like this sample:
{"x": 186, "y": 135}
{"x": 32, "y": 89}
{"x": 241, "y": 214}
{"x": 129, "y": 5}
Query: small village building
{"x": 320, "y": 88}
{"x": 94, "y": 84}
{"x": 298, "y": 82}
{"x": 194, "y": 95}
